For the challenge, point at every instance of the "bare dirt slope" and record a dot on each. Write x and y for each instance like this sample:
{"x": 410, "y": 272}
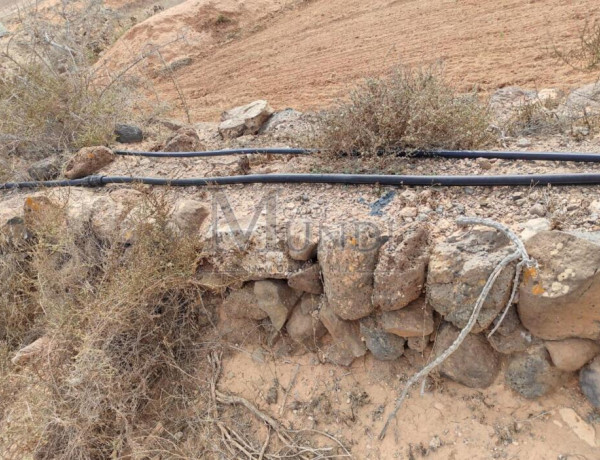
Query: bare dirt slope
{"x": 304, "y": 54}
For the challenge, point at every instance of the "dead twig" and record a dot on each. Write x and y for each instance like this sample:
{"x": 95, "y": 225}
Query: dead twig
{"x": 290, "y": 386}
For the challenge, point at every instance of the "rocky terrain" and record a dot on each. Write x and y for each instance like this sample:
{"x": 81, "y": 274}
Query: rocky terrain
{"x": 325, "y": 299}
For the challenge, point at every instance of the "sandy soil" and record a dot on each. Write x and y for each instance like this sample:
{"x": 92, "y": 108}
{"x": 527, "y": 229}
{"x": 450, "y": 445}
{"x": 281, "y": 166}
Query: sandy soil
{"x": 449, "y": 422}
{"x": 305, "y": 54}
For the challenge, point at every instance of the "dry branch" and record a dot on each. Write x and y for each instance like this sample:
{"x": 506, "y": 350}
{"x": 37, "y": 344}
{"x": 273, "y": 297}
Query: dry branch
{"x": 520, "y": 253}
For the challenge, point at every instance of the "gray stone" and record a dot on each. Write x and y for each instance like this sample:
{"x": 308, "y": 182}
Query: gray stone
{"x": 400, "y": 272}
{"x": 533, "y": 227}
{"x": 584, "y": 99}
{"x": 589, "y": 381}
{"x": 244, "y": 120}
{"x": 128, "y": 134}
{"x": 307, "y": 280}
{"x": 46, "y": 169}
{"x": 474, "y": 364}
{"x": 348, "y": 254}
{"x": 384, "y": 346}
{"x": 561, "y": 299}
{"x": 346, "y": 345}
{"x": 415, "y": 320}
{"x": 277, "y": 299}
{"x": 538, "y": 209}
{"x": 246, "y": 250}
{"x": 458, "y": 270}
{"x": 283, "y": 121}
{"x": 531, "y": 374}
{"x": 511, "y": 336}
{"x": 309, "y": 303}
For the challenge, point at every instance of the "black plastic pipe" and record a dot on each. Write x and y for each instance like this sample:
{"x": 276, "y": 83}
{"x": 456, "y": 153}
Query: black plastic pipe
{"x": 216, "y": 153}
{"x": 350, "y": 179}
{"x": 531, "y": 156}
{"x": 456, "y": 154}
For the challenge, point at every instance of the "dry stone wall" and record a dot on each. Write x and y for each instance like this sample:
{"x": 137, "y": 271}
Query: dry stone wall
{"x": 343, "y": 290}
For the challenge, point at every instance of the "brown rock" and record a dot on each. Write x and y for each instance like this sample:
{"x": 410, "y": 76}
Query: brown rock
{"x": 303, "y": 239}
{"x": 400, "y": 272}
{"x": 562, "y": 298}
{"x": 277, "y": 299}
{"x": 415, "y": 320}
{"x": 458, "y": 270}
{"x": 348, "y": 254}
{"x": 572, "y": 354}
{"x": 242, "y": 303}
{"x": 531, "y": 374}
{"x": 307, "y": 280}
{"x": 417, "y": 343}
{"x": 185, "y": 140}
{"x": 89, "y": 160}
{"x": 346, "y": 345}
{"x": 189, "y": 215}
{"x": 474, "y": 364}
{"x": 305, "y": 329}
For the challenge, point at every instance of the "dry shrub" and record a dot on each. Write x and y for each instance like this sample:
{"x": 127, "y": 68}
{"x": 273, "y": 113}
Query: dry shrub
{"x": 586, "y": 55}
{"x": 409, "y": 110}
{"x": 537, "y": 117}
{"x": 126, "y": 324}
{"x": 51, "y": 95}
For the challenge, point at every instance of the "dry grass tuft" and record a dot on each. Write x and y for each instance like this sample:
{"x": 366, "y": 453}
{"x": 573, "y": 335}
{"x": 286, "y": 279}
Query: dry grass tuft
{"x": 409, "y": 110}
{"x": 126, "y": 325}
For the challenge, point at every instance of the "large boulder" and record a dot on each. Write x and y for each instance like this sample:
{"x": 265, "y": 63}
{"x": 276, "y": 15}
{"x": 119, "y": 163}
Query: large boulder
{"x": 531, "y": 374}
{"x": 474, "y": 364}
{"x": 346, "y": 344}
{"x": 416, "y": 320}
{"x": 572, "y": 354}
{"x": 87, "y": 161}
{"x": 400, "y": 272}
{"x": 589, "y": 381}
{"x": 277, "y": 299}
{"x": 246, "y": 119}
{"x": 245, "y": 251}
{"x": 348, "y": 254}
{"x": 458, "y": 270}
{"x": 562, "y": 298}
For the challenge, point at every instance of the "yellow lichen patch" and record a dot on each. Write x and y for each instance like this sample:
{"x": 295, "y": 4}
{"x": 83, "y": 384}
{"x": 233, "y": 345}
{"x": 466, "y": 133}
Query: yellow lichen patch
{"x": 537, "y": 289}
{"x": 529, "y": 274}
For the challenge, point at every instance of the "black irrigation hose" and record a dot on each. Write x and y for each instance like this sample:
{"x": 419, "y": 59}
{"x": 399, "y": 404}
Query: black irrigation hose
{"x": 531, "y": 156}
{"x": 458, "y": 154}
{"x": 216, "y": 153}
{"x": 350, "y": 179}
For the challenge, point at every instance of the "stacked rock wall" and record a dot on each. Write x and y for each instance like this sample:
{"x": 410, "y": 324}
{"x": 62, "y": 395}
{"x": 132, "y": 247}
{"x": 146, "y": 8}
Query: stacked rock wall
{"x": 344, "y": 289}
